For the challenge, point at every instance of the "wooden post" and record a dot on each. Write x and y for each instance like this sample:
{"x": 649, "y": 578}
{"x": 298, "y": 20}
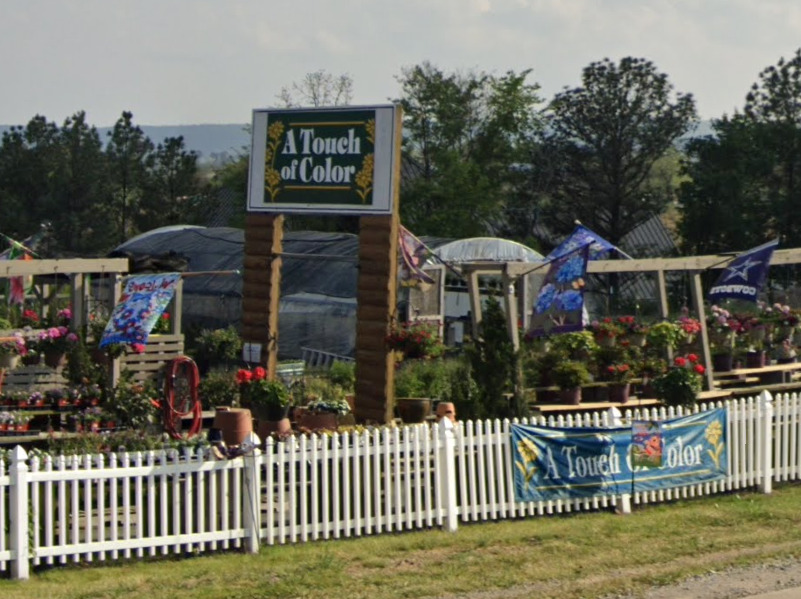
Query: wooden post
{"x": 510, "y": 303}
{"x": 261, "y": 284}
{"x": 377, "y": 290}
{"x": 698, "y": 301}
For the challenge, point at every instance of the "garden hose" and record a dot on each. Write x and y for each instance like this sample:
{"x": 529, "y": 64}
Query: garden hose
{"x": 176, "y": 408}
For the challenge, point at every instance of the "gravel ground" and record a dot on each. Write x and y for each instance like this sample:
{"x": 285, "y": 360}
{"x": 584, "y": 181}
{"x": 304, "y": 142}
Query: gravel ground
{"x": 729, "y": 583}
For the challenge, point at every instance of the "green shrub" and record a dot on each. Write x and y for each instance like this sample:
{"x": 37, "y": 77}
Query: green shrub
{"x": 344, "y": 375}
{"x": 217, "y": 347}
{"x": 218, "y": 388}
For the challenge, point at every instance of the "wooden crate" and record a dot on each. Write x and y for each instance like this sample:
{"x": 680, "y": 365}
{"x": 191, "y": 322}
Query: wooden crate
{"x": 150, "y": 365}
{"x": 38, "y": 377}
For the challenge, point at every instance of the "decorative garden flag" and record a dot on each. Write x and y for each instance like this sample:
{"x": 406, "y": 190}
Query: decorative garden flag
{"x": 19, "y": 287}
{"x": 141, "y": 304}
{"x": 580, "y": 237}
{"x": 414, "y": 254}
{"x": 565, "y": 463}
{"x": 646, "y": 444}
{"x": 743, "y": 278}
{"x": 560, "y": 301}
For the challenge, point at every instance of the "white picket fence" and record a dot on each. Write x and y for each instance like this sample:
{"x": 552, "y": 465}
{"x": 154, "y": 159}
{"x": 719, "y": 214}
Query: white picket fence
{"x": 95, "y": 508}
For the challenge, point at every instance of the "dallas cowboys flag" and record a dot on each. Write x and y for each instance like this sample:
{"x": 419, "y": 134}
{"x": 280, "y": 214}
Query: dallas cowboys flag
{"x": 745, "y": 275}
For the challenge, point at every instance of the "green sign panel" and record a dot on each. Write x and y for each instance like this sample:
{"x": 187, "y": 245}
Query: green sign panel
{"x": 323, "y": 160}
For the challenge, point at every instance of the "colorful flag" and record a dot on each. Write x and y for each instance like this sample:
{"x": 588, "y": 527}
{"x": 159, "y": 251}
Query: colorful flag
{"x": 582, "y": 236}
{"x": 141, "y": 304}
{"x": 745, "y": 276}
{"x": 414, "y": 254}
{"x": 18, "y": 287}
{"x": 560, "y": 301}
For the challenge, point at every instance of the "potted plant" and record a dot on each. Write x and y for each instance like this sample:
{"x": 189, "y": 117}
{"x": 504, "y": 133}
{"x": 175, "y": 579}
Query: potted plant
{"x": 722, "y": 327}
{"x": 324, "y": 411}
{"x": 11, "y": 349}
{"x": 680, "y": 385}
{"x": 267, "y": 399}
{"x": 785, "y": 352}
{"x": 569, "y": 376}
{"x": 664, "y": 334}
{"x": 577, "y": 345}
{"x": 217, "y": 347}
{"x": 415, "y": 340}
{"x": 619, "y": 375}
{"x": 606, "y": 331}
{"x": 55, "y": 342}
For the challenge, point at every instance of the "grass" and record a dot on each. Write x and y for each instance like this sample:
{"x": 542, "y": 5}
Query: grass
{"x": 567, "y": 557}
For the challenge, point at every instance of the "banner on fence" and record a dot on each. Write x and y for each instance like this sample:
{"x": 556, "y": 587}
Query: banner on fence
{"x": 141, "y": 304}
{"x": 565, "y": 463}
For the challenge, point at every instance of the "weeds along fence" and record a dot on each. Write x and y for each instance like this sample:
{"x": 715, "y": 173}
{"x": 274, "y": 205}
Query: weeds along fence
{"x": 59, "y": 510}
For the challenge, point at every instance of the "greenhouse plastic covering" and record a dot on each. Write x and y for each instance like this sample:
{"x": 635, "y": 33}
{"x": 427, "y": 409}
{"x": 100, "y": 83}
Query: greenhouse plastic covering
{"x": 318, "y": 290}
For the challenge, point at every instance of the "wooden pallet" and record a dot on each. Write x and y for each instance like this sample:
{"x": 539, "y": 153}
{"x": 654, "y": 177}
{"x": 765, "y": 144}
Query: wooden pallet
{"x": 150, "y": 365}
{"x": 37, "y": 377}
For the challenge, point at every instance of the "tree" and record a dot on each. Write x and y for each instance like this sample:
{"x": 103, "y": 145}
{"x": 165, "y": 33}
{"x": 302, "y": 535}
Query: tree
{"x": 129, "y": 155}
{"x": 744, "y": 183}
{"x": 171, "y": 186}
{"x": 318, "y": 89}
{"x": 602, "y": 142}
{"x": 463, "y": 134}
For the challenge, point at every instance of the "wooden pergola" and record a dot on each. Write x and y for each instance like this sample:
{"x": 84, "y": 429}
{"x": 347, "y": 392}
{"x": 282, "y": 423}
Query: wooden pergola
{"x": 511, "y": 273}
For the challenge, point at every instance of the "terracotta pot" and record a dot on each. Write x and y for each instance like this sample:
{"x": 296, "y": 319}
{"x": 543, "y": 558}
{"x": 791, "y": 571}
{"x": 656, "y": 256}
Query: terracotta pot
{"x": 446, "y": 409}
{"x": 234, "y": 423}
{"x": 314, "y": 422}
{"x": 280, "y": 428}
{"x": 413, "y": 409}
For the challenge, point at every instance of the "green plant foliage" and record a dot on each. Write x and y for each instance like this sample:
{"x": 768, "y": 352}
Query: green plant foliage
{"x": 570, "y": 374}
{"x": 131, "y": 403}
{"x": 218, "y": 388}
{"x": 495, "y": 365}
{"x": 344, "y": 375}
{"x": 680, "y": 385}
{"x": 217, "y": 347}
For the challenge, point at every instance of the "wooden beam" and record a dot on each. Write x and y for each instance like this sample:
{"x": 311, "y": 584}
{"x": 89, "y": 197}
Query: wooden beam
{"x": 19, "y": 268}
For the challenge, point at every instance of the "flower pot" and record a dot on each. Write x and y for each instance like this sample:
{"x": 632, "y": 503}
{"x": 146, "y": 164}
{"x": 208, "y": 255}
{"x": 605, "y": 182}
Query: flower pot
{"x": 619, "y": 393}
{"x": 55, "y": 359}
{"x": 722, "y": 362}
{"x": 636, "y": 339}
{"x": 32, "y": 360}
{"x": 9, "y": 361}
{"x": 271, "y": 412}
{"x": 607, "y": 341}
{"x": 755, "y": 359}
{"x": 316, "y": 421}
{"x": 266, "y": 428}
{"x": 570, "y": 396}
{"x": 786, "y": 360}
{"x": 413, "y": 409}
{"x": 234, "y": 423}
{"x": 446, "y": 409}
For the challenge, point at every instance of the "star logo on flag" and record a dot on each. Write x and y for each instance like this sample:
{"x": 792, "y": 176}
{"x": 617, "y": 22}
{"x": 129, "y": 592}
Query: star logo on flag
{"x": 742, "y": 270}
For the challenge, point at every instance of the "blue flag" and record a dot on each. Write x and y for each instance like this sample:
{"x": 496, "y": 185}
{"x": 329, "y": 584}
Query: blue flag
{"x": 744, "y": 277}
{"x": 560, "y": 301}
{"x": 582, "y": 236}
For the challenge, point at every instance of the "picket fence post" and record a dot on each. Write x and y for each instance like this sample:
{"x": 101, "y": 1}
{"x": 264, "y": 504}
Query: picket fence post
{"x": 447, "y": 476}
{"x": 251, "y": 506}
{"x": 18, "y": 507}
{"x": 766, "y": 414}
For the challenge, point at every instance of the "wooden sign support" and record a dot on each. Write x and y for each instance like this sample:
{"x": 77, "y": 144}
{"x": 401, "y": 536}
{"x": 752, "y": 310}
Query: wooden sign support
{"x": 261, "y": 284}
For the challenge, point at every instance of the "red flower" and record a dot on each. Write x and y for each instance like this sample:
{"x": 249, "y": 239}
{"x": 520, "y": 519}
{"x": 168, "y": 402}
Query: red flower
{"x": 682, "y": 362}
{"x": 692, "y": 358}
{"x": 243, "y": 376}
{"x": 699, "y": 368}
{"x": 259, "y": 373}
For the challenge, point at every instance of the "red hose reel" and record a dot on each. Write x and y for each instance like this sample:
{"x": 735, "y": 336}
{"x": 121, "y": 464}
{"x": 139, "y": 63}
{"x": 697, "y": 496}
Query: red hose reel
{"x": 181, "y": 399}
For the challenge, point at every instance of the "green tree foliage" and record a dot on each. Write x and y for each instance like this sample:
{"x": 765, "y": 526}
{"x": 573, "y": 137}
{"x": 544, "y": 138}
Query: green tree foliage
{"x": 603, "y": 140}
{"x": 464, "y": 133}
{"x": 129, "y": 155}
{"x": 745, "y": 185}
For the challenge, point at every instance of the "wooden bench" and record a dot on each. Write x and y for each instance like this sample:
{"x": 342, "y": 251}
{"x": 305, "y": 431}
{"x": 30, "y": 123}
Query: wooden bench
{"x": 591, "y": 406}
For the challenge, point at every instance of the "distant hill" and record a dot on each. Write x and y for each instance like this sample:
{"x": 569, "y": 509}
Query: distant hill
{"x": 217, "y": 143}
{"x": 214, "y": 143}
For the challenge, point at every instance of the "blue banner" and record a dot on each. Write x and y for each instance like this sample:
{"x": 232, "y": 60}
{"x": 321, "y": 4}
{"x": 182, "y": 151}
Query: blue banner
{"x": 565, "y": 463}
{"x": 580, "y": 237}
{"x": 745, "y": 276}
{"x": 142, "y": 301}
{"x": 560, "y": 301}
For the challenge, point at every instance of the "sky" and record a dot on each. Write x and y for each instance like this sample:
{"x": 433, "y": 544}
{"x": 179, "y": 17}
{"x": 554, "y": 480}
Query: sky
{"x": 183, "y": 62}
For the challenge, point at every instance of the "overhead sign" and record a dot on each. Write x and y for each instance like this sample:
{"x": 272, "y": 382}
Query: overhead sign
{"x": 334, "y": 160}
